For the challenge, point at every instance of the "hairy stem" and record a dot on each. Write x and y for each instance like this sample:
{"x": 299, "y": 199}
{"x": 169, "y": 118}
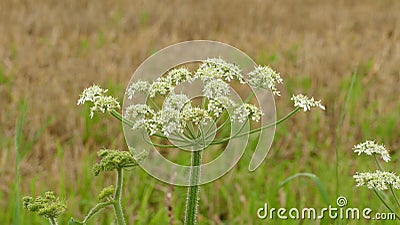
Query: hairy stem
{"x": 117, "y": 198}
{"x": 53, "y": 221}
{"x": 95, "y": 210}
{"x": 193, "y": 190}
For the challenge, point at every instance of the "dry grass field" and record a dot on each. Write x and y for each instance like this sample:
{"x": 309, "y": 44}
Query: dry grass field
{"x": 51, "y": 50}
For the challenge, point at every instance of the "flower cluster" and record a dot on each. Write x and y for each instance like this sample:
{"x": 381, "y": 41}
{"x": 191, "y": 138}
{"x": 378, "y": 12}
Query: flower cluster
{"x": 379, "y": 180}
{"x": 178, "y": 76}
{"x": 217, "y": 68}
{"x": 217, "y": 105}
{"x": 137, "y": 87}
{"x": 195, "y": 115}
{"x": 215, "y": 88}
{"x": 265, "y": 77}
{"x": 48, "y": 206}
{"x": 101, "y": 102}
{"x": 143, "y": 115}
{"x": 306, "y": 103}
{"x": 106, "y": 192}
{"x": 112, "y": 160}
{"x": 177, "y": 109}
{"x": 371, "y": 147}
{"x": 245, "y": 111}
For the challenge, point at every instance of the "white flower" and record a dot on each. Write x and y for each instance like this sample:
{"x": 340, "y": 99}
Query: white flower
{"x": 306, "y": 103}
{"x": 378, "y": 180}
{"x": 216, "y": 106}
{"x": 89, "y": 94}
{"x": 171, "y": 121}
{"x": 265, "y": 77}
{"x": 178, "y": 76}
{"x": 218, "y": 68}
{"x": 195, "y": 115}
{"x": 139, "y": 86}
{"x": 215, "y": 88}
{"x": 102, "y": 103}
{"x": 170, "y": 117}
{"x": 161, "y": 86}
{"x": 176, "y": 102}
{"x": 371, "y": 147}
{"x": 245, "y": 111}
{"x": 140, "y": 114}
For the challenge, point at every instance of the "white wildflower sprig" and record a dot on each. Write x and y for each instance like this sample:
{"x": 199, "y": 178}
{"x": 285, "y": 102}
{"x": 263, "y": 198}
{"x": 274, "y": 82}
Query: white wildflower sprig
{"x": 141, "y": 114}
{"x": 371, "y": 147}
{"x": 101, "y": 102}
{"x": 139, "y": 86}
{"x": 306, "y": 103}
{"x": 215, "y": 88}
{"x": 243, "y": 112}
{"x": 176, "y": 102}
{"x": 218, "y": 68}
{"x": 378, "y": 180}
{"x": 179, "y": 75}
{"x": 160, "y": 86}
{"x": 171, "y": 121}
{"x": 216, "y": 106}
{"x": 265, "y": 77}
{"x": 195, "y": 115}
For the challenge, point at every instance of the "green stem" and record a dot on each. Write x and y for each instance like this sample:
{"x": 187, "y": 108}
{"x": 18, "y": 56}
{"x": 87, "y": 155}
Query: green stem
{"x": 387, "y": 206}
{"x": 53, "y": 221}
{"x": 96, "y": 209}
{"x": 117, "y": 198}
{"x": 193, "y": 189}
{"x": 257, "y": 129}
{"x": 390, "y": 186}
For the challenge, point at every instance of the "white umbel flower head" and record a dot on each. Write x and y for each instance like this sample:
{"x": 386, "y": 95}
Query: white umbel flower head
{"x": 101, "y": 102}
{"x": 379, "y": 180}
{"x": 371, "y": 147}
{"x": 243, "y": 112}
{"x": 176, "y": 102}
{"x": 306, "y": 103}
{"x": 171, "y": 121}
{"x": 265, "y": 77}
{"x": 160, "y": 86}
{"x": 179, "y": 75}
{"x": 216, "y": 106}
{"x": 140, "y": 115}
{"x": 218, "y": 68}
{"x": 195, "y": 115}
{"x": 215, "y": 88}
{"x": 139, "y": 86}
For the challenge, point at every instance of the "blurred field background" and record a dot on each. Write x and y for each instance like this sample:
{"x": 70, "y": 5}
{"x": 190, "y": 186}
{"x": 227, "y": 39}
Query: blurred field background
{"x": 51, "y": 50}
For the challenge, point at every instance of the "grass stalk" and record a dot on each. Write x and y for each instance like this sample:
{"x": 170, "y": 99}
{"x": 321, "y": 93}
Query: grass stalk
{"x": 340, "y": 122}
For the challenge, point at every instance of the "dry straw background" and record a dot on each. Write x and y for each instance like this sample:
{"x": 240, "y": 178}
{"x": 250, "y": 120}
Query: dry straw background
{"x": 51, "y": 50}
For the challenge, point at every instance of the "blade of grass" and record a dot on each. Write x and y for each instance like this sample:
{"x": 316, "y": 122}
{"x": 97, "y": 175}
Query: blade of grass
{"x": 341, "y": 118}
{"x": 316, "y": 180}
{"x": 18, "y": 138}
